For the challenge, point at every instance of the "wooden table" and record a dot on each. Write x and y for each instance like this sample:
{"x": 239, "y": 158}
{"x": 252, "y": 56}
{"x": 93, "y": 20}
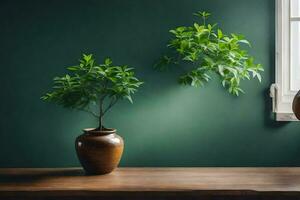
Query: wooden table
{"x": 152, "y": 183}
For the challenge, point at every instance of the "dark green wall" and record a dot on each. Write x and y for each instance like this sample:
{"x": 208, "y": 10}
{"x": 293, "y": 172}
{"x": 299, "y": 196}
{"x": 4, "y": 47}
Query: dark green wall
{"x": 168, "y": 125}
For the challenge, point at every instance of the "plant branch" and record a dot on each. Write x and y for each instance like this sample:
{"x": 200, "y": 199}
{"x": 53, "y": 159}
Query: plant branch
{"x": 111, "y": 104}
{"x": 88, "y": 111}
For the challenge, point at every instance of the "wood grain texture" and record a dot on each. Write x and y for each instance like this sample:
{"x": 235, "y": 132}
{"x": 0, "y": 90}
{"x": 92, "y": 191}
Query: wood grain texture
{"x": 193, "y": 181}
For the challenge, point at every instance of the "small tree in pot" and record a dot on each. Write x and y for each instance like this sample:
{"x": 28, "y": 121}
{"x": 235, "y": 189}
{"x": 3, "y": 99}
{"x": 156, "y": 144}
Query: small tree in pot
{"x": 103, "y": 85}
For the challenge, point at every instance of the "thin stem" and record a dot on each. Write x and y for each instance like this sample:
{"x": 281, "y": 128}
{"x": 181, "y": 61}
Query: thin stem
{"x": 101, "y": 102}
{"x": 88, "y": 111}
{"x": 112, "y": 103}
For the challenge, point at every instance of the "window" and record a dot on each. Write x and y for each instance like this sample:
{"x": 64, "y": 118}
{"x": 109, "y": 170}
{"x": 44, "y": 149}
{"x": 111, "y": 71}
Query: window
{"x": 287, "y": 58}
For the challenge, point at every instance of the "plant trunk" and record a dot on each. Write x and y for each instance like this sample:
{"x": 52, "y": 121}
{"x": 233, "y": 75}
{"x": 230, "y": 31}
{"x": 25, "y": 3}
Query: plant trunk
{"x": 101, "y": 116}
{"x": 100, "y": 122}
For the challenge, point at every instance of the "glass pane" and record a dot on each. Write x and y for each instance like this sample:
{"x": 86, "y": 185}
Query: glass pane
{"x": 295, "y": 8}
{"x": 295, "y": 55}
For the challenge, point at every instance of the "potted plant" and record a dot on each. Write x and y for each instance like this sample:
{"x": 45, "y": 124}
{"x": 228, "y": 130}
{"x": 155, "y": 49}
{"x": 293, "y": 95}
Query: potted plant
{"x": 91, "y": 85}
{"x": 207, "y": 50}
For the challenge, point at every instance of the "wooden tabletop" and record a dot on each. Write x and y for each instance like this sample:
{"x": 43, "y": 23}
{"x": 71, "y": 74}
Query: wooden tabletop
{"x": 222, "y": 180}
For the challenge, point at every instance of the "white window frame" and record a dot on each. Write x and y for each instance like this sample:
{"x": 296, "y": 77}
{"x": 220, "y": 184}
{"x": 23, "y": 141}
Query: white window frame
{"x": 281, "y": 91}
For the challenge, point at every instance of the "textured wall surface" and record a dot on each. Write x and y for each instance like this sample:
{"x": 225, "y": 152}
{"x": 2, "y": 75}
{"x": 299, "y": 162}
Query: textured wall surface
{"x": 169, "y": 124}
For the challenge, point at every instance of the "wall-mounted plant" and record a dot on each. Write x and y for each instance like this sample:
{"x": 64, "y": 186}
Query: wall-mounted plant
{"x": 88, "y": 83}
{"x": 206, "y": 49}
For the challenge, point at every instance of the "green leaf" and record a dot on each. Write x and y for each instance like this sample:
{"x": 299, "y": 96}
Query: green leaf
{"x": 108, "y": 61}
{"x": 202, "y": 14}
{"x": 128, "y": 97}
{"x": 258, "y": 76}
{"x": 199, "y": 29}
{"x": 73, "y": 68}
{"x": 209, "y": 27}
{"x": 221, "y": 69}
{"x": 224, "y": 83}
{"x": 87, "y": 57}
{"x": 180, "y": 29}
{"x": 220, "y": 34}
{"x": 173, "y": 31}
{"x": 245, "y": 42}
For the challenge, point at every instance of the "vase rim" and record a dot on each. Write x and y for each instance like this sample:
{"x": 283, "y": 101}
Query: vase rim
{"x": 105, "y": 131}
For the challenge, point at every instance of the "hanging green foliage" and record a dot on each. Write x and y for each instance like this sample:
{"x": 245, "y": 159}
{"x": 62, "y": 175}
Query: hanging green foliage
{"x": 207, "y": 49}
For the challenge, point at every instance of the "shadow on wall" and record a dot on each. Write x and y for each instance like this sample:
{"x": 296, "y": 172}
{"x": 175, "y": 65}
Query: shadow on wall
{"x": 269, "y": 116}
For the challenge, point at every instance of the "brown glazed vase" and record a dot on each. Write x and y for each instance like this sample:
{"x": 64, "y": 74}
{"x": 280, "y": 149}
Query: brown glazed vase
{"x": 296, "y": 105}
{"x": 99, "y": 152}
